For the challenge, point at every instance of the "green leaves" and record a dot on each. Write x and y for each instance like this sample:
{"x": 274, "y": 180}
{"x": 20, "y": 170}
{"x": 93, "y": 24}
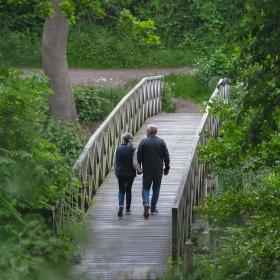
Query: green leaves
{"x": 134, "y": 29}
{"x": 246, "y": 154}
{"x": 75, "y": 9}
{"x": 34, "y": 175}
{"x": 94, "y": 104}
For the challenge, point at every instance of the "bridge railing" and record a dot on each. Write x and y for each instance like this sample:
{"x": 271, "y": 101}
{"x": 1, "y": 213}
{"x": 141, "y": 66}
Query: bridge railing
{"x": 192, "y": 188}
{"x": 94, "y": 163}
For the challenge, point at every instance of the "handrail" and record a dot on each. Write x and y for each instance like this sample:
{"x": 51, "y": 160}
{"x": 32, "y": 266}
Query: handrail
{"x": 192, "y": 189}
{"x": 94, "y": 163}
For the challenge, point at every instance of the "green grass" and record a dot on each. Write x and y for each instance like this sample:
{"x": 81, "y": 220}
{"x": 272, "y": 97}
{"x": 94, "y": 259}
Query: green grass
{"x": 189, "y": 87}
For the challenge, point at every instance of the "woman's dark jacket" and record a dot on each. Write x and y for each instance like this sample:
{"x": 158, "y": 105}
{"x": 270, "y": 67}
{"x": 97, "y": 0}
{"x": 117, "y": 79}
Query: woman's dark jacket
{"x": 124, "y": 161}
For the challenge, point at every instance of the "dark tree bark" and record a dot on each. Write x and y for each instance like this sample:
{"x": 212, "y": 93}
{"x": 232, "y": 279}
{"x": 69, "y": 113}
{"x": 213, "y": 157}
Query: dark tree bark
{"x": 54, "y": 43}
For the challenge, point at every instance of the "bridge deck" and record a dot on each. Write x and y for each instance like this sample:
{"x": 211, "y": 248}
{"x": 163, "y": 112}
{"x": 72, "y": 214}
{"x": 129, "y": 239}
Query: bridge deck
{"x": 131, "y": 247}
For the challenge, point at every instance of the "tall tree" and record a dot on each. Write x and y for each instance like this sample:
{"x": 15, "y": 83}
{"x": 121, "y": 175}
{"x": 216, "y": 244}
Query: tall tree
{"x": 57, "y": 14}
{"x": 54, "y": 43}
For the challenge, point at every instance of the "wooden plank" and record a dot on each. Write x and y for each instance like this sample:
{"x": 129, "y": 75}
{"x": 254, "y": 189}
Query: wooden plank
{"x": 132, "y": 247}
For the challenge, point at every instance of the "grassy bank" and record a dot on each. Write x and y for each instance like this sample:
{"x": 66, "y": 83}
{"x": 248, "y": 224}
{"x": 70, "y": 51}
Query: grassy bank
{"x": 190, "y": 87}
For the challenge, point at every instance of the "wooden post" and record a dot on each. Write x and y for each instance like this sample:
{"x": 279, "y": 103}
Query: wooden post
{"x": 211, "y": 184}
{"x": 174, "y": 234}
{"x": 213, "y": 242}
{"x": 188, "y": 258}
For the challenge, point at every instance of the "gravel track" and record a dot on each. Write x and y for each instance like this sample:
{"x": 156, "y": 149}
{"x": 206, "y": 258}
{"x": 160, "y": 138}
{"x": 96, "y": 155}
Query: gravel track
{"x": 112, "y": 78}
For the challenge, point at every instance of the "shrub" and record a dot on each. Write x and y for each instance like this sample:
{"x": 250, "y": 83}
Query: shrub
{"x": 215, "y": 65}
{"x": 94, "y": 104}
{"x": 33, "y": 175}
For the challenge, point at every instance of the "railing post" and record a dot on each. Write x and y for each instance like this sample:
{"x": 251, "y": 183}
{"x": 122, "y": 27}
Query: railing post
{"x": 174, "y": 234}
{"x": 188, "y": 257}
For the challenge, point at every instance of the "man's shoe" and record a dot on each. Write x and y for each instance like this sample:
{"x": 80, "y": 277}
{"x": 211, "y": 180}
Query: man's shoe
{"x": 128, "y": 212}
{"x": 154, "y": 211}
{"x": 146, "y": 211}
{"x": 120, "y": 213}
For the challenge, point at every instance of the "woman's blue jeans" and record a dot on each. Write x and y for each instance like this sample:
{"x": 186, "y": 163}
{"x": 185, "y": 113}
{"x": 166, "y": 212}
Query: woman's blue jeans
{"x": 125, "y": 185}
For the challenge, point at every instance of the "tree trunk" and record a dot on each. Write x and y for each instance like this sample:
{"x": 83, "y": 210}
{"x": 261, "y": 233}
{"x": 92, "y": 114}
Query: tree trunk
{"x": 54, "y": 43}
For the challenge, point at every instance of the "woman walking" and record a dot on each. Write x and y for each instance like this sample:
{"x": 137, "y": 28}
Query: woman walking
{"x": 125, "y": 165}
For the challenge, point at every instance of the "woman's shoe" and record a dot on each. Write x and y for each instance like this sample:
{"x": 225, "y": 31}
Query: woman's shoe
{"x": 128, "y": 212}
{"x": 120, "y": 213}
{"x": 146, "y": 211}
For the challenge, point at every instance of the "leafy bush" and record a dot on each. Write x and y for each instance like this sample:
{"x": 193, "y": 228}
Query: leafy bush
{"x": 70, "y": 138}
{"x": 94, "y": 104}
{"x": 36, "y": 158}
{"x": 214, "y": 65}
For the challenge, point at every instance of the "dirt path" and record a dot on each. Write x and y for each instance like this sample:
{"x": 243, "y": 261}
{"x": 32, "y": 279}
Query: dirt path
{"x": 111, "y": 78}
{"x": 186, "y": 106}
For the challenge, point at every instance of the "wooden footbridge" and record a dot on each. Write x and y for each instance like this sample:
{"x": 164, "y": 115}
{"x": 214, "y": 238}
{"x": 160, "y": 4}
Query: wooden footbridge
{"x": 132, "y": 247}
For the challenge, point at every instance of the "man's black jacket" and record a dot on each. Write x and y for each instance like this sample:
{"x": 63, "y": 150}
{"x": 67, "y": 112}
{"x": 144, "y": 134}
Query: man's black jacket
{"x": 152, "y": 152}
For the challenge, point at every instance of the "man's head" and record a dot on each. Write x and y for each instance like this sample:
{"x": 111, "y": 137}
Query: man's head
{"x": 151, "y": 130}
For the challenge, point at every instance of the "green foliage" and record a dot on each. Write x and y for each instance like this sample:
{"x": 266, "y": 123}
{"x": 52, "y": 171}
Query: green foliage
{"x": 96, "y": 47}
{"x": 75, "y": 9}
{"x": 20, "y": 48}
{"x": 246, "y": 155}
{"x": 70, "y": 138}
{"x": 260, "y": 47}
{"x": 214, "y": 65}
{"x": 247, "y": 162}
{"x": 190, "y": 87}
{"x": 36, "y": 157}
{"x": 123, "y": 33}
{"x": 168, "y": 102}
{"x": 103, "y": 47}
{"x": 175, "y": 271}
{"x": 95, "y": 104}
{"x": 250, "y": 249}
{"x": 134, "y": 29}
{"x": 23, "y": 15}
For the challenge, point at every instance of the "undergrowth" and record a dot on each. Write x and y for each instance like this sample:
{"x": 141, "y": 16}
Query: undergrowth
{"x": 94, "y": 47}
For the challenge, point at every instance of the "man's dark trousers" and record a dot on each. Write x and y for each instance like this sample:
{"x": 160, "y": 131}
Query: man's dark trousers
{"x": 151, "y": 153}
{"x": 155, "y": 182}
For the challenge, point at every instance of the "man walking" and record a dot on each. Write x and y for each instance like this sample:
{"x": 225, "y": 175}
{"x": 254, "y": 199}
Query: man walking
{"x": 152, "y": 152}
